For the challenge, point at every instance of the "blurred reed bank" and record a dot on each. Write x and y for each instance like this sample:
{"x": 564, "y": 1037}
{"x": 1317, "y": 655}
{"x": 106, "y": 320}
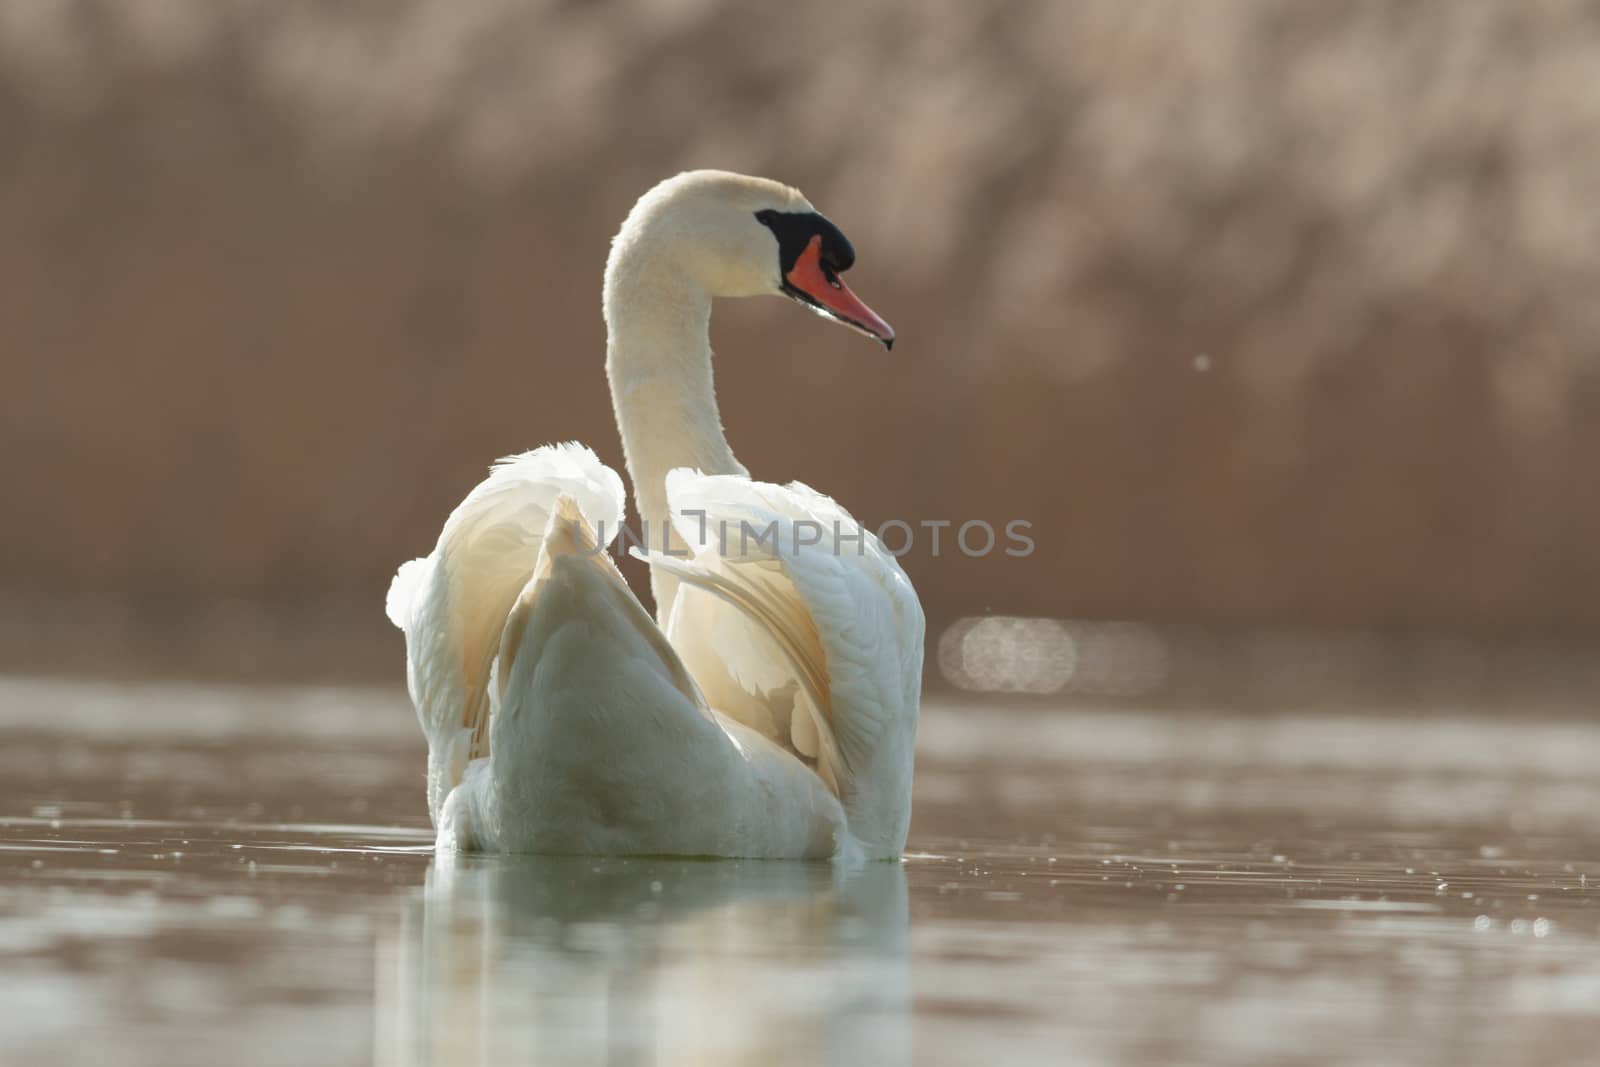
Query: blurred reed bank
{"x": 1262, "y": 315}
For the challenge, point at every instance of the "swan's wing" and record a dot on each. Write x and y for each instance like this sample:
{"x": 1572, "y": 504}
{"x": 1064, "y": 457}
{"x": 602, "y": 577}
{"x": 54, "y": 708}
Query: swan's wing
{"x": 830, "y": 631}
{"x": 453, "y": 603}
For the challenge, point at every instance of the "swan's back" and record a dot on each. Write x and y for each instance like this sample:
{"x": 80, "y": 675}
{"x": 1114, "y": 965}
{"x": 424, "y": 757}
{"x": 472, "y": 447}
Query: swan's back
{"x": 602, "y": 744}
{"x": 558, "y": 717}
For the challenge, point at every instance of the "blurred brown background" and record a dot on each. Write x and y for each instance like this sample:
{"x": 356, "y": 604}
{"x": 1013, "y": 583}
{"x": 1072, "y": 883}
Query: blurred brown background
{"x": 1265, "y": 314}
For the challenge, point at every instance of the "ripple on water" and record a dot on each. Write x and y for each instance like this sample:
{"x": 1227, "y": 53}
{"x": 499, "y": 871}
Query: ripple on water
{"x": 1128, "y": 888}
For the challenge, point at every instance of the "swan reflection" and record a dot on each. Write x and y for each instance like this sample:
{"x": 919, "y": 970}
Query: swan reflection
{"x": 605, "y": 960}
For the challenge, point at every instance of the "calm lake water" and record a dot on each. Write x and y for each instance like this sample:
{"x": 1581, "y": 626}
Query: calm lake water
{"x": 199, "y": 875}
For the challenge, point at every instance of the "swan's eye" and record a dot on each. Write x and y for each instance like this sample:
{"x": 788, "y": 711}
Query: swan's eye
{"x": 766, "y": 218}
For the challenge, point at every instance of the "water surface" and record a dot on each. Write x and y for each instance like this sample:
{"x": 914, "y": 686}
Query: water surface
{"x": 196, "y": 875}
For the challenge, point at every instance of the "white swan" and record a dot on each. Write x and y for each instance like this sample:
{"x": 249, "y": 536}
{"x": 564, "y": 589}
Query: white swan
{"x": 775, "y": 713}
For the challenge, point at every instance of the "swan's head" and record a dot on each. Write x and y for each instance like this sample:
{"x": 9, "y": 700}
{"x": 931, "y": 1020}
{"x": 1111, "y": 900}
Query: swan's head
{"x": 735, "y": 235}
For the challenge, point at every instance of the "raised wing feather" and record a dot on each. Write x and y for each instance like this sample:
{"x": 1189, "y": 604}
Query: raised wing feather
{"x": 786, "y": 592}
{"x": 453, "y": 603}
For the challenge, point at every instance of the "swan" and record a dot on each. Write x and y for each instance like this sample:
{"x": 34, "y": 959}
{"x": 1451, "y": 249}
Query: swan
{"x": 769, "y": 708}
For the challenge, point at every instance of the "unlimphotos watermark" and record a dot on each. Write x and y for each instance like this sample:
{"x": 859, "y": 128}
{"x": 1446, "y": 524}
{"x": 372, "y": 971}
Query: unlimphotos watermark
{"x": 973, "y": 538}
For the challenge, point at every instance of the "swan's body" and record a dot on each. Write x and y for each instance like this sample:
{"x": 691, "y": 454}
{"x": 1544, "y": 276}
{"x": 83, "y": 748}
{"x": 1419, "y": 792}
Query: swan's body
{"x": 775, "y": 714}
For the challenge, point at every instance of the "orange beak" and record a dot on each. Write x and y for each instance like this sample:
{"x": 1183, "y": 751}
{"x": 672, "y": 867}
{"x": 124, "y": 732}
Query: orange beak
{"x": 822, "y": 288}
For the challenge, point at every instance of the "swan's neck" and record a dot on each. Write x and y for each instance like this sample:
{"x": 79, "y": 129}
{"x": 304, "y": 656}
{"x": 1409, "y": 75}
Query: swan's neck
{"x": 658, "y": 361}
